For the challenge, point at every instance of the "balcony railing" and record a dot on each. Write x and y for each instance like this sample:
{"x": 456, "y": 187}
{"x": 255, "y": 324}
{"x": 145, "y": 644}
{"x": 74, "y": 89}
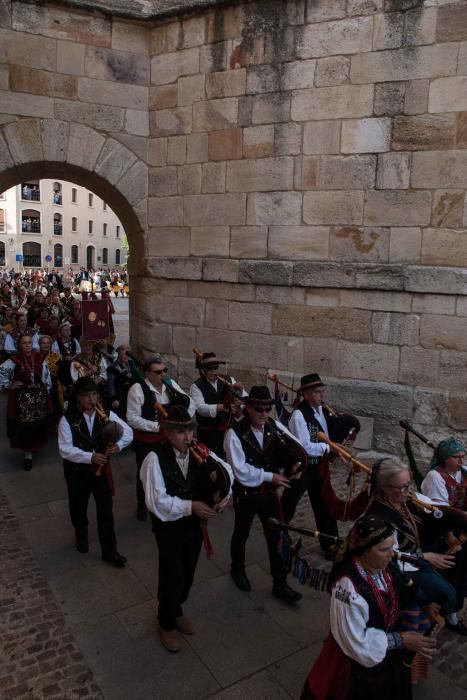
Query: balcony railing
{"x": 29, "y": 194}
{"x": 33, "y": 226}
{"x": 58, "y": 230}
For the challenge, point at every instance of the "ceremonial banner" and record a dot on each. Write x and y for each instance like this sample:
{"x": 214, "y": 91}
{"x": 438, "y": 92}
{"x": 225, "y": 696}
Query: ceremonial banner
{"x": 95, "y": 319}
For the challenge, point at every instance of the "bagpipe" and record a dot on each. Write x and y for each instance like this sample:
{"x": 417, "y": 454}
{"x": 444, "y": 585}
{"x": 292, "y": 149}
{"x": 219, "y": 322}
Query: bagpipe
{"x": 212, "y": 478}
{"x": 454, "y": 518}
{"x": 291, "y": 456}
{"x": 234, "y": 400}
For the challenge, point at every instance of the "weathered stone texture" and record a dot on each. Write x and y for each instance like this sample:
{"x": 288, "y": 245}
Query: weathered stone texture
{"x": 258, "y": 141}
{"x": 349, "y": 36}
{"x": 398, "y": 208}
{"x": 332, "y": 102}
{"x": 424, "y": 132}
{"x": 444, "y": 247}
{"x": 347, "y": 172}
{"x": 333, "y": 207}
{"x": 298, "y": 242}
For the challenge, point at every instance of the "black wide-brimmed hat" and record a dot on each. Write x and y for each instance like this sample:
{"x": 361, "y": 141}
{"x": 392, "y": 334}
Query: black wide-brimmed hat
{"x": 311, "y": 381}
{"x": 207, "y": 360}
{"x": 84, "y": 385}
{"x": 260, "y": 396}
{"x": 176, "y": 417}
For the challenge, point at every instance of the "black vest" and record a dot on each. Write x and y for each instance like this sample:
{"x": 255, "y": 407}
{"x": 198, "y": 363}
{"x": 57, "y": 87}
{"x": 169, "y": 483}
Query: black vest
{"x": 266, "y": 457}
{"x": 64, "y": 351}
{"x": 148, "y": 410}
{"x": 80, "y": 433}
{"x": 175, "y": 483}
{"x": 313, "y": 426}
{"x": 211, "y": 397}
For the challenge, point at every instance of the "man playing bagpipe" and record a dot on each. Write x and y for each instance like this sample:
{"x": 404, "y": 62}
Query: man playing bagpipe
{"x": 81, "y": 442}
{"x": 182, "y": 490}
{"x": 218, "y": 400}
{"x": 121, "y": 375}
{"x": 259, "y": 451}
{"x": 310, "y": 417}
{"x": 143, "y": 416}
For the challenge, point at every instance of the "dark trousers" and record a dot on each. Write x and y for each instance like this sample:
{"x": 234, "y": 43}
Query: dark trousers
{"x": 179, "y": 543}
{"x": 81, "y": 483}
{"x": 312, "y": 483}
{"x": 264, "y": 505}
{"x": 214, "y": 439}
{"x": 141, "y": 449}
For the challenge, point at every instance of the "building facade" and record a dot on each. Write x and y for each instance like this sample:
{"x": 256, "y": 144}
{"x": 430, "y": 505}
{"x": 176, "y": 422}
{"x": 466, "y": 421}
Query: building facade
{"x": 57, "y": 224}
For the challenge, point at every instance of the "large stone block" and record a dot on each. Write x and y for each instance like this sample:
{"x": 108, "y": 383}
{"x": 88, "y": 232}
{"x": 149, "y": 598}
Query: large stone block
{"x": 189, "y": 179}
{"x": 171, "y": 122}
{"x": 298, "y": 242}
{"x": 210, "y": 241}
{"x": 226, "y": 144}
{"x": 359, "y": 244}
{"x": 448, "y": 208}
{"x": 213, "y": 178}
{"x": 416, "y": 96}
{"x": 130, "y": 37}
{"x": 119, "y": 66}
{"x": 332, "y": 71}
{"x": 274, "y": 273}
{"x": 258, "y": 141}
{"x": 228, "y": 27}
{"x": 462, "y": 129}
{"x": 181, "y": 310}
{"x": 389, "y": 98}
{"x": 229, "y": 83}
{"x": 444, "y": 247}
{"x": 110, "y": 93}
{"x": 280, "y": 295}
{"x": 186, "y": 33}
{"x": 163, "y": 242}
{"x": 183, "y": 340}
{"x": 379, "y": 363}
{"x": 248, "y": 241}
{"x": 176, "y": 150}
{"x": 405, "y": 64}
{"x": 274, "y": 208}
{"x": 288, "y": 139}
{"x": 244, "y": 317}
{"x": 419, "y": 367}
{"x": 25, "y": 105}
{"x": 215, "y": 114}
{"x": 440, "y": 169}
{"x": 347, "y": 36}
{"x": 215, "y": 210}
{"x": 452, "y": 23}
{"x": 364, "y": 7}
{"x": 321, "y": 355}
{"x": 332, "y": 102}
{"x": 262, "y": 175}
{"x": 395, "y": 329}
{"x": 298, "y": 74}
{"x": 167, "y": 68}
{"x": 70, "y": 58}
{"x": 452, "y": 370}
{"x": 366, "y": 135}
{"x": 447, "y": 332}
{"x": 163, "y": 96}
{"x": 388, "y": 31}
{"x": 157, "y": 152}
{"x": 321, "y": 137}
{"x": 436, "y": 280}
{"x": 315, "y": 274}
{"x": 163, "y": 181}
{"x": 393, "y": 171}
{"x": 270, "y": 108}
{"x": 114, "y": 160}
{"x": 380, "y": 276}
{"x": 434, "y": 304}
{"x": 372, "y": 398}
{"x": 175, "y": 268}
{"x": 218, "y": 270}
{"x": 376, "y": 301}
{"x": 398, "y": 208}
{"x": 165, "y": 211}
{"x": 430, "y": 406}
{"x": 448, "y": 94}
{"x": 237, "y": 345}
{"x": 457, "y": 409}
{"x": 137, "y": 122}
{"x": 420, "y": 26}
{"x": 405, "y": 245}
{"x": 196, "y": 148}
{"x": 55, "y": 135}
{"x": 62, "y": 23}
{"x": 306, "y": 172}
{"x": 322, "y": 297}
{"x": 424, "y": 132}
{"x": 217, "y": 314}
{"x": 347, "y": 172}
{"x": 24, "y": 141}
{"x": 214, "y": 58}
{"x": 221, "y": 290}
{"x": 32, "y": 51}
{"x": 265, "y": 78}
{"x": 353, "y": 324}
{"x": 84, "y": 146}
{"x": 343, "y": 207}
{"x": 190, "y": 89}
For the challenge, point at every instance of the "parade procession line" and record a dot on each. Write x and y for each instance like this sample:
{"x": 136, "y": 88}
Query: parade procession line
{"x": 74, "y": 627}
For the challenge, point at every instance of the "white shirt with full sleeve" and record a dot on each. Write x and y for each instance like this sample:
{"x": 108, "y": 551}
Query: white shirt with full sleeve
{"x": 7, "y": 372}
{"x": 168, "y": 508}
{"x": 71, "y": 453}
{"x": 434, "y": 486}
{"x": 74, "y": 371}
{"x": 298, "y": 428}
{"x": 208, "y": 410}
{"x": 11, "y": 343}
{"x": 245, "y": 473}
{"x": 135, "y": 401}
{"x": 349, "y": 617}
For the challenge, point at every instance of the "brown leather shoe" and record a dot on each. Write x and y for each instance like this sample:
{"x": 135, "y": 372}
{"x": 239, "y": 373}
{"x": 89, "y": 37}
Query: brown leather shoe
{"x": 169, "y": 640}
{"x": 184, "y": 625}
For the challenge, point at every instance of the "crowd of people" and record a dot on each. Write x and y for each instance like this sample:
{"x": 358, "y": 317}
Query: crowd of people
{"x": 99, "y": 399}
{"x": 114, "y": 281}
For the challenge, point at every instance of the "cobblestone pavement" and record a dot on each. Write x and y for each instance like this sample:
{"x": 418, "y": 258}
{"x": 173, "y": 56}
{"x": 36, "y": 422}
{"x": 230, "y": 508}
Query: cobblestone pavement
{"x": 39, "y": 657}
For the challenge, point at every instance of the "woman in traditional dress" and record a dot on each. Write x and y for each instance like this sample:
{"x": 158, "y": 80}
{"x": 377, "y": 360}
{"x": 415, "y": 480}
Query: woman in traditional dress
{"x": 446, "y": 485}
{"x": 391, "y": 490}
{"x": 364, "y": 654}
{"x": 27, "y": 377}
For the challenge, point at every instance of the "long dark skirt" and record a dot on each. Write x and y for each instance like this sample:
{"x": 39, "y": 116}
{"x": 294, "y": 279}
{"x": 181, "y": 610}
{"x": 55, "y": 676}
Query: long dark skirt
{"x": 28, "y": 410}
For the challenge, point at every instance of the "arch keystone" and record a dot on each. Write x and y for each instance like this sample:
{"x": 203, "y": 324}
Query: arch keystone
{"x": 84, "y": 146}
{"x": 55, "y": 135}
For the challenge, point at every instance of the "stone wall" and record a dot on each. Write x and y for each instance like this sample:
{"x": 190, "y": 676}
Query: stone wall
{"x": 307, "y": 201}
{"x": 292, "y": 176}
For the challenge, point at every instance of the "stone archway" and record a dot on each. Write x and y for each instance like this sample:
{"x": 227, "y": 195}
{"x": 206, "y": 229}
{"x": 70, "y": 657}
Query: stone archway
{"x": 54, "y": 149}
